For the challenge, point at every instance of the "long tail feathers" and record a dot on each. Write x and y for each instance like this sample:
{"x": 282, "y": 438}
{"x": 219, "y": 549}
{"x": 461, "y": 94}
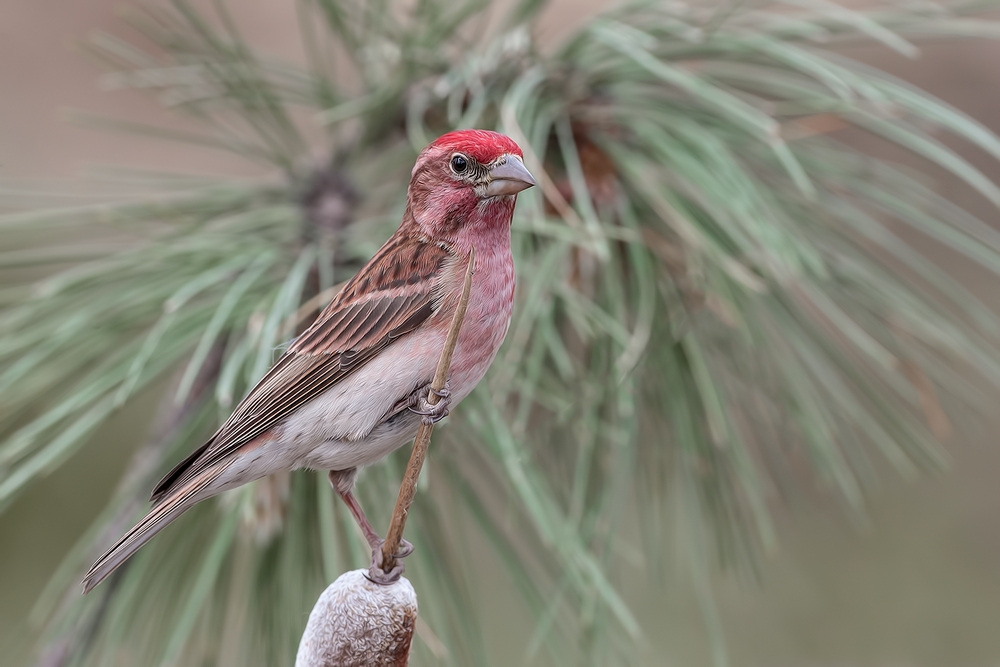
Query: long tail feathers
{"x": 171, "y": 506}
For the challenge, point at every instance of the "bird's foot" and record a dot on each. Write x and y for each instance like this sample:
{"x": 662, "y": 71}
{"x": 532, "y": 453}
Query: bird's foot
{"x": 377, "y": 574}
{"x": 431, "y": 414}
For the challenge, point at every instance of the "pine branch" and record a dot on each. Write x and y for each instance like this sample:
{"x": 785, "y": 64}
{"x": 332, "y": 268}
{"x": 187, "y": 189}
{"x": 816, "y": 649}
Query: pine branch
{"x": 715, "y": 296}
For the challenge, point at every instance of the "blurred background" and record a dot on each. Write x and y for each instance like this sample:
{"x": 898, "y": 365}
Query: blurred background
{"x": 912, "y": 578}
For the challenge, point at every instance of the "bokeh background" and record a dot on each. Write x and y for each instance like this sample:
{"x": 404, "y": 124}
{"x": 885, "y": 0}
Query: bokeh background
{"x": 914, "y": 581}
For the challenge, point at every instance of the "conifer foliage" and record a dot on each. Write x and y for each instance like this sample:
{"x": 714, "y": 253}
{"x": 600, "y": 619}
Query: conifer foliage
{"x": 720, "y": 303}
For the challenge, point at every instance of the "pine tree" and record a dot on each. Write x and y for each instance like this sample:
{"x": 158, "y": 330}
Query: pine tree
{"x": 720, "y": 302}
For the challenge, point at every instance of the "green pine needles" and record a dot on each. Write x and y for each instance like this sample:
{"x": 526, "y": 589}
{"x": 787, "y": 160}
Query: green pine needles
{"x": 716, "y": 297}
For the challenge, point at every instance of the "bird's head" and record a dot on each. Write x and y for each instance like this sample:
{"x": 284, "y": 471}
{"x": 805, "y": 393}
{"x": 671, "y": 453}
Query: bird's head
{"x": 466, "y": 177}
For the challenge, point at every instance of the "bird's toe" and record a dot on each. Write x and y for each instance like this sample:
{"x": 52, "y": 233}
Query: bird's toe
{"x": 376, "y": 571}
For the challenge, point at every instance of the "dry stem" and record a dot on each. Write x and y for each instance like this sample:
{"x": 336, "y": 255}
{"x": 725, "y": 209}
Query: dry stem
{"x": 409, "y": 486}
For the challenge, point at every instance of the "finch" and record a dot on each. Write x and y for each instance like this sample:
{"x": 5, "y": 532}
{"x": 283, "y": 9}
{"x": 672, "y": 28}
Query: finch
{"x": 354, "y": 386}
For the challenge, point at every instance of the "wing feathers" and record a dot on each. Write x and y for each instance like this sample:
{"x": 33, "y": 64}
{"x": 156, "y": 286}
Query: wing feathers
{"x": 395, "y": 293}
{"x": 176, "y": 472}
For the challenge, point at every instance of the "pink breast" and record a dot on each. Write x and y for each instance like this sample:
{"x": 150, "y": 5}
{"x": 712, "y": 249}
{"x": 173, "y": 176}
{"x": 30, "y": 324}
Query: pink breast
{"x": 486, "y": 321}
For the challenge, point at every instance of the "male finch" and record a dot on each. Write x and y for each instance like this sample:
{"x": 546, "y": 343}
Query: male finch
{"x": 353, "y": 387}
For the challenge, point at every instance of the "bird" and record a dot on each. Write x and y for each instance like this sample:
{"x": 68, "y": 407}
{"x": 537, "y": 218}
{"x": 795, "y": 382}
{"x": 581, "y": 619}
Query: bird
{"x": 354, "y": 386}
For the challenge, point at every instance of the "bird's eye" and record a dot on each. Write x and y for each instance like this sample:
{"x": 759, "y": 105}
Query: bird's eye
{"x": 459, "y": 164}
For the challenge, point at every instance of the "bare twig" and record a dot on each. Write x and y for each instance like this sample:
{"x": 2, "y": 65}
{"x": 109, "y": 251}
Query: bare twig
{"x": 409, "y": 486}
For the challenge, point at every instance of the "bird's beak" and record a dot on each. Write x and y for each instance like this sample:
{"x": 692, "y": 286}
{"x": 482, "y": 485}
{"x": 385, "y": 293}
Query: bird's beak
{"x": 509, "y": 178}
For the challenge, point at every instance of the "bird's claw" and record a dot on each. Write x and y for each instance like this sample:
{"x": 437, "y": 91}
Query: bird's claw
{"x": 431, "y": 414}
{"x": 377, "y": 574}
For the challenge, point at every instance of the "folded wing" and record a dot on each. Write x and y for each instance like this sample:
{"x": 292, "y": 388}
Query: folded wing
{"x": 391, "y": 296}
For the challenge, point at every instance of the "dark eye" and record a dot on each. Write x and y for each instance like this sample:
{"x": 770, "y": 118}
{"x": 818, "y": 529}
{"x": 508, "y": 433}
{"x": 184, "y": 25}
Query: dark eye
{"x": 459, "y": 164}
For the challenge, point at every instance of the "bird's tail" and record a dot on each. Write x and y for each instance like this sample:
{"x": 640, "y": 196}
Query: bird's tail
{"x": 171, "y": 506}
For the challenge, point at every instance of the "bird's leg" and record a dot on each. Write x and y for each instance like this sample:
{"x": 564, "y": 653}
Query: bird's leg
{"x": 431, "y": 414}
{"x": 343, "y": 483}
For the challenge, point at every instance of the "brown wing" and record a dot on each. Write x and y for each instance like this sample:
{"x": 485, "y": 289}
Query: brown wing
{"x": 390, "y": 297}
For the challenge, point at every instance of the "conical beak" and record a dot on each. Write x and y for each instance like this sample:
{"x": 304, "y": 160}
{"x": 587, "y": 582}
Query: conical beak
{"x": 509, "y": 178}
